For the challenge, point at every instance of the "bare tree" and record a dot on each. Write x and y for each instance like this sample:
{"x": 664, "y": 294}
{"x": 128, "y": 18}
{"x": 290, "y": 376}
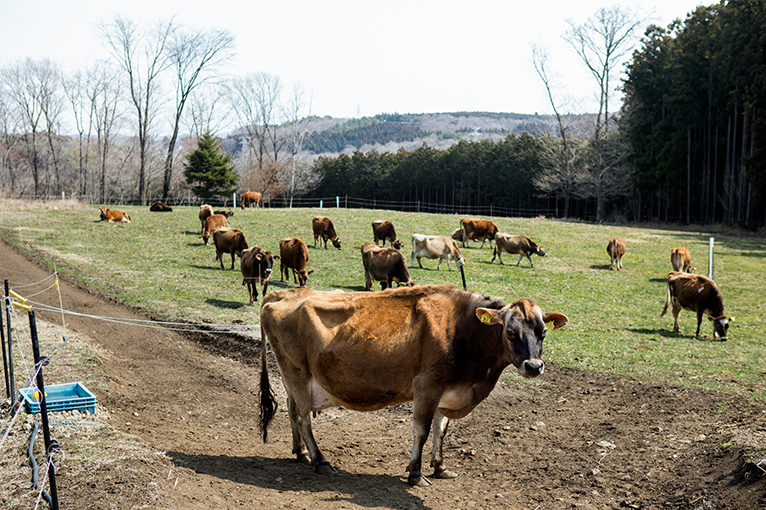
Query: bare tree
{"x": 297, "y": 111}
{"x": 106, "y": 114}
{"x": 8, "y": 140}
{"x": 142, "y": 57}
{"x": 601, "y": 42}
{"x": 205, "y": 113}
{"x": 194, "y": 55}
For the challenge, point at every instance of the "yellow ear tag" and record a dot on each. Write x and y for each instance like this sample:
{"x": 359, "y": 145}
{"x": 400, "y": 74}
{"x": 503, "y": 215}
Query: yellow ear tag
{"x": 550, "y": 324}
{"x": 486, "y": 318}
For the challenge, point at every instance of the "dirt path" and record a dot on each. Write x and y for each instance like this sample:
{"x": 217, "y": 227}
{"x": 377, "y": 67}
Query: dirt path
{"x": 578, "y": 440}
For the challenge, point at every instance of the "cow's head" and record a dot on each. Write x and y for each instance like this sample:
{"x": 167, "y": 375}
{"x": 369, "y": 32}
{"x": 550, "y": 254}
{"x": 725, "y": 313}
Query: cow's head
{"x": 336, "y": 242}
{"x": 303, "y": 276}
{"x": 397, "y": 244}
{"x": 524, "y": 329}
{"x": 540, "y": 251}
{"x": 721, "y": 326}
{"x": 266, "y": 262}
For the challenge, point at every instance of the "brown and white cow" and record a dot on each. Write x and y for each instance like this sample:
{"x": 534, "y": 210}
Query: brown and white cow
{"x": 211, "y": 223}
{"x": 384, "y": 265}
{"x": 519, "y": 245}
{"x": 681, "y": 260}
{"x": 442, "y": 348}
{"x": 478, "y": 230}
{"x": 114, "y": 215}
{"x": 458, "y": 235}
{"x": 699, "y": 294}
{"x": 205, "y": 211}
{"x": 160, "y": 207}
{"x": 324, "y": 230}
{"x": 435, "y": 247}
{"x": 293, "y": 254}
{"x": 256, "y": 265}
{"x": 384, "y": 230}
{"x": 250, "y": 198}
{"x": 615, "y": 249}
{"x": 228, "y": 240}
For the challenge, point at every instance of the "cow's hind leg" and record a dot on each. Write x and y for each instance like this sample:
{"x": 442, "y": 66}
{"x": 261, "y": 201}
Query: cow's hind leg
{"x": 299, "y": 446}
{"x": 440, "y": 423}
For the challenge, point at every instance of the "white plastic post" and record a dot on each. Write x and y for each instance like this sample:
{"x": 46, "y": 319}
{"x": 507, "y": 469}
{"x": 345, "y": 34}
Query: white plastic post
{"x": 710, "y": 261}
{"x": 234, "y": 199}
{"x": 321, "y": 204}
{"x": 337, "y": 201}
{"x": 63, "y": 197}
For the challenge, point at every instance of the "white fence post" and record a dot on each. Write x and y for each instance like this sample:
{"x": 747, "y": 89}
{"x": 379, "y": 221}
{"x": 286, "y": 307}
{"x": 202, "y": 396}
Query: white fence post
{"x": 337, "y": 201}
{"x": 321, "y": 202}
{"x": 234, "y": 199}
{"x": 710, "y": 261}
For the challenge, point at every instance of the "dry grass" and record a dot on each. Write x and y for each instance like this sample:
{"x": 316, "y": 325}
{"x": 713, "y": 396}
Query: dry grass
{"x": 70, "y": 204}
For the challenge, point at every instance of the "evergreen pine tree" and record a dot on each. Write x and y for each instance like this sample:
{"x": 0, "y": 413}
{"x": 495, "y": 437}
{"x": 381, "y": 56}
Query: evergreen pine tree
{"x": 209, "y": 170}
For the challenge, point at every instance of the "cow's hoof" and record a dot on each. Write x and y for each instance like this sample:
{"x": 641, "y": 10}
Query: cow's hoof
{"x": 324, "y": 468}
{"x": 445, "y": 475}
{"x": 418, "y": 481}
{"x": 304, "y": 459}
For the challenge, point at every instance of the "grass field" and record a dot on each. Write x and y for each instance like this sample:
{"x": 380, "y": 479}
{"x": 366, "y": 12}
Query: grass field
{"x": 159, "y": 263}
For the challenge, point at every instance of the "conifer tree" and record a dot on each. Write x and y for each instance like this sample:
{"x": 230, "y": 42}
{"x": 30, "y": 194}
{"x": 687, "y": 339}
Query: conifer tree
{"x": 209, "y": 170}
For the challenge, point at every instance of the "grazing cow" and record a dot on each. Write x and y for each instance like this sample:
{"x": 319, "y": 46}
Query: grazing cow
{"x": 699, "y": 294}
{"x": 522, "y": 246}
{"x": 615, "y": 249}
{"x": 228, "y": 213}
{"x": 442, "y": 348}
{"x": 384, "y": 265}
{"x": 681, "y": 260}
{"x": 478, "y": 230}
{"x": 250, "y": 198}
{"x": 324, "y": 229}
{"x": 114, "y": 215}
{"x": 228, "y": 240}
{"x": 256, "y": 265}
{"x": 458, "y": 235}
{"x": 435, "y": 247}
{"x": 205, "y": 211}
{"x": 160, "y": 207}
{"x": 293, "y": 254}
{"x": 211, "y": 223}
{"x": 384, "y": 230}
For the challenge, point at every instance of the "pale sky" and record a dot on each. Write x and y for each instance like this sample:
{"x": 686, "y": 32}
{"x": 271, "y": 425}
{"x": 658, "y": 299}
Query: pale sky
{"x": 357, "y": 58}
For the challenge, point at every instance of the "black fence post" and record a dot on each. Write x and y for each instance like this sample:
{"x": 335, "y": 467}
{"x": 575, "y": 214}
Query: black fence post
{"x": 5, "y": 359}
{"x": 44, "y": 411}
{"x": 12, "y": 385}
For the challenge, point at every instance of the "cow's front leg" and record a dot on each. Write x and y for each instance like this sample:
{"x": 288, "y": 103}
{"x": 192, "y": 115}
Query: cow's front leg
{"x": 424, "y": 409}
{"x": 440, "y": 423}
{"x": 699, "y": 323}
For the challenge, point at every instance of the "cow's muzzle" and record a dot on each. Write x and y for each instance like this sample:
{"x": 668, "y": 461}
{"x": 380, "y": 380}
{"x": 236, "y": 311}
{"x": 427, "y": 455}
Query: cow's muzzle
{"x": 532, "y": 368}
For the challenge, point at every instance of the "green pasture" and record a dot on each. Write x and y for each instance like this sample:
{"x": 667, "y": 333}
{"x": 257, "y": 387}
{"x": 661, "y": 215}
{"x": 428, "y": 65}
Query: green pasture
{"x": 159, "y": 263}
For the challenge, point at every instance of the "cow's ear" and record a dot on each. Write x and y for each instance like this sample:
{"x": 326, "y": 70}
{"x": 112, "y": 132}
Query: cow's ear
{"x": 488, "y": 316}
{"x": 276, "y": 257}
{"x": 559, "y": 320}
{"x": 258, "y": 257}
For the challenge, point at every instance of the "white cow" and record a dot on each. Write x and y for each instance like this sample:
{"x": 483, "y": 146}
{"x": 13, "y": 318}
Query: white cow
{"x": 435, "y": 247}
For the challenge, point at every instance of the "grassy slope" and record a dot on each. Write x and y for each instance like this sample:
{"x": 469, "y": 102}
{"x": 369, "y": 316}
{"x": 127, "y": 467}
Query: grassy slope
{"x": 158, "y": 262}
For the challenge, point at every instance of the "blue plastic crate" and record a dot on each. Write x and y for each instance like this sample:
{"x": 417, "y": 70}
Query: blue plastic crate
{"x": 61, "y": 397}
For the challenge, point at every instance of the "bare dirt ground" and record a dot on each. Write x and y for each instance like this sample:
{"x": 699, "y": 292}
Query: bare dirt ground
{"x": 574, "y": 440}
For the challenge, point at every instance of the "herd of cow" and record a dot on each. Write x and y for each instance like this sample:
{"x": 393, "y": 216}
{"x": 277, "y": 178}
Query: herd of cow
{"x": 440, "y": 347}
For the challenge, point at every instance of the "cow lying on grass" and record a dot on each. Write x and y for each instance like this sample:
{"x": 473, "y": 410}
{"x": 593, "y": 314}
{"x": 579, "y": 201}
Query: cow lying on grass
{"x": 114, "y": 215}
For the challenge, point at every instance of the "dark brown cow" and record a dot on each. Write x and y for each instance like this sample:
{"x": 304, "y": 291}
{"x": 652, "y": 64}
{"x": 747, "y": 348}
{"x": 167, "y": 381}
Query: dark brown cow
{"x": 615, "y": 249}
{"x": 211, "y": 223}
{"x": 256, "y": 265}
{"x": 699, "y": 294}
{"x": 205, "y": 211}
{"x": 114, "y": 215}
{"x": 522, "y": 246}
{"x": 442, "y": 348}
{"x": 228, "y": 240}
{"x": 225, "y": 212}
{"x": 293, "y": 254}
{"x": 478, "y": 230}
{"x": 250, "y": 198}
{"x": 384, "y": 265}
{"x": 384, "y": 230}
{"x": 324, "y": 230}
{"x": 160, "y": 207}
{"x": 681, "y": 260}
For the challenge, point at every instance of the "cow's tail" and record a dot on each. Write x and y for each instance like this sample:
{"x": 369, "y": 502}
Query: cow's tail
{"x": 667, "y": 302}
{"x": 268, "y": 402}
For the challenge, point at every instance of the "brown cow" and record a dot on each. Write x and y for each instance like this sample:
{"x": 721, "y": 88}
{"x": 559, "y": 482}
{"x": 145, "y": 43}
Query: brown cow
{"x": 228, "y": 240}
{"x": 458, "y": 235}
{"x": 435, "y": 247}
{"x": 442, "y": 348}
{"x": 522, "y": 246}
{"x": 384, "y": 230}
{"x": 225, "y": 212}
{"x": 615, "y": 249}
{"x": 114, "y": 215}
{"x": 324, "y": 229}
{"x": 160, "y": 207}
{"x": 256, "y": 265}
{"x": 681, "y": 260}
{"x": 211, "y": 223}
{"x": 293, "y": 254}
{"x": 699, "y": 294}
{"x": 478, "y": 230}
{"x": 205, "y": 211}
{"x": 384, "y": 265}
{"x": 249, "y": 198}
